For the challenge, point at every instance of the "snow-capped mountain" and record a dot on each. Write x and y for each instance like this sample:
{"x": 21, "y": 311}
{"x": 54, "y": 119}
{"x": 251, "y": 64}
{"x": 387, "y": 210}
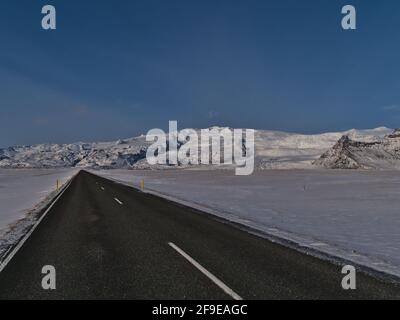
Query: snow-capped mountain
{"x": 281, "y": 150}
{"x": 350, "y": 154}
{"x": 118, "y": 154}
{"x": 274, "y": 150}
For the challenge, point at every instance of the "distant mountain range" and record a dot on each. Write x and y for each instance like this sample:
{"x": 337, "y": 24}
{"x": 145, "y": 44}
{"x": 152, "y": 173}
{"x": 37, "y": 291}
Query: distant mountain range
{"x": 350, "y": 154}
{"x": 373, "y": 148}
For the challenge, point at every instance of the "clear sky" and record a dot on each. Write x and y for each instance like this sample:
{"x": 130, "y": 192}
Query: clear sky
{"x": 117, "y": 68}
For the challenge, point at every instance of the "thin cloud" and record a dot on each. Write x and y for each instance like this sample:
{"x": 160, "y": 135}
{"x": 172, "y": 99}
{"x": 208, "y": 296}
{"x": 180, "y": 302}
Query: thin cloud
{"x": 393, "y": 107}
{"x": 40, "y": 121}
{"x": 212, "y": 114}
{"x": 80, "y": 110}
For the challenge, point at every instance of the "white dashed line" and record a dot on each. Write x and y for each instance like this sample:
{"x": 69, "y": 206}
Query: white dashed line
{"x": 208, "y": 274}
{"x": 119, "y": 202}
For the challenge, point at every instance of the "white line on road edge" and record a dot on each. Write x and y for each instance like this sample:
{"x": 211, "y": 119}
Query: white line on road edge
{"x": 209, "y": 275}
{"x": 118, "y": 201}
{"x": 26, "y": 237}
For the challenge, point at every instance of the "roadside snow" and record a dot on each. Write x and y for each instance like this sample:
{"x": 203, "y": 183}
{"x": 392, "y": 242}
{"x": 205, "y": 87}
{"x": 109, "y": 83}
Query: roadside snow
{"x": 23, "y": 192}
{"x": 349, "y": 214}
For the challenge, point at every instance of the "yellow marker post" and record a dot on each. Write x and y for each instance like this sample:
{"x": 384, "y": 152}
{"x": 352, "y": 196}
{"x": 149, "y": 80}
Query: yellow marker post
{"x": 142, "y": 184}
{"x": 58, "y": 184}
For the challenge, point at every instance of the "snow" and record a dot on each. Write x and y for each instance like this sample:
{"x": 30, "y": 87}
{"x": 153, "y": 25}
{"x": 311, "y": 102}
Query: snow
{"x": 23, "y": 192}
{"x": 348, "y": 214}
{"x": 281, "y": 150}
{"x": 349, "y": 154}
{"x": 274, "y": 150}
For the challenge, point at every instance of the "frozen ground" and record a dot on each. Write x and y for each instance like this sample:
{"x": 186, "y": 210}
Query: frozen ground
{"x": 22, "y": 191}
{"x": 350, "y": 214}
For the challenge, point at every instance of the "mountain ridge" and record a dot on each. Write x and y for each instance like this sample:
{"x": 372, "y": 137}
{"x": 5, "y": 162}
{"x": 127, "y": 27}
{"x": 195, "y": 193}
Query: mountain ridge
{"x": 274, "y": 150}
{"x": 350, "y": 154}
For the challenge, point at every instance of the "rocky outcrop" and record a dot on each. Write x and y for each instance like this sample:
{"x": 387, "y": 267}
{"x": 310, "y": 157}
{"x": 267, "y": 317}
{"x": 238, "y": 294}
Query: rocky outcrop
{"x": 350, "y": 154}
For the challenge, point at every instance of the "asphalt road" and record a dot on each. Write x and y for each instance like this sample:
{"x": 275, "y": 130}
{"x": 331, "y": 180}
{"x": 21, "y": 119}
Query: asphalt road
{"x": 109, "y": 241}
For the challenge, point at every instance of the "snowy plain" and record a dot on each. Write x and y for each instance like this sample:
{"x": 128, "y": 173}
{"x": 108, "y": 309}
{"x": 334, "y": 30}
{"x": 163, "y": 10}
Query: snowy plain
{"x": 22, "y": 193}
{"x": 344, "y": 213}
{"x": 353, "y": 215}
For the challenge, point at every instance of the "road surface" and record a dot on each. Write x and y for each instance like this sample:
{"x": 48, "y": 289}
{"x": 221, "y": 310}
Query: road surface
{"x": 109, "y": 241}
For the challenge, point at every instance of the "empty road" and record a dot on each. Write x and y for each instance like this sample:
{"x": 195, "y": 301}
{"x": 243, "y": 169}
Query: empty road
{"x": 109, "y": 241}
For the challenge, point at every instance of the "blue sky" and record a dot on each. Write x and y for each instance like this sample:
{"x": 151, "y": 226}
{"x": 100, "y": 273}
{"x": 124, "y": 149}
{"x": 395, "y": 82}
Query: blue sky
{"x": 117, "y": 68}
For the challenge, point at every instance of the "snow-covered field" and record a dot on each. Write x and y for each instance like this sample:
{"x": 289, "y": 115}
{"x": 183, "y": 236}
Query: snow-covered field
{"x": 350, "y": 214}
{"x": 22, "y": 192}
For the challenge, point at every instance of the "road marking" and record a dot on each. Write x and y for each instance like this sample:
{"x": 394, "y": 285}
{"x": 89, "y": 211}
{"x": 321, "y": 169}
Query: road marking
{"x": 118, "y": 201}
{"x": 102, "y": 188}
{"x": 208, "y": 274}
{"x": 26, "y": 237}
